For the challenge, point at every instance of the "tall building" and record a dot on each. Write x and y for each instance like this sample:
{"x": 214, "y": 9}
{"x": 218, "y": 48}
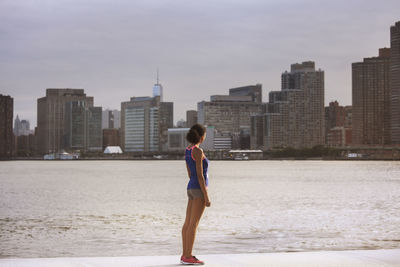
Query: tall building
{"x": 294, "y": 116}
{"x": 334, "y": 115}
{"x": 177, "y": 139}
{"x": 144, "y": 124}
{"x": 255, "y": 91}
{"x": 371, "y": 100}
{"x": 191, "y": 118}
{"x": 94, "y": 133}
{"x": 338, "y": 127}
{"x": 158, "y": 89}
{"x": 25, "y": 145}
{"x": 230, "y": 115}
{"x": 6, "y": 126}
{"x": 111, "y": 119}
{"x": 21, "y": 127}
{"x": 395, "y": 82}
{"x": 17, "y": 126}
{"x": 51, "y": 117}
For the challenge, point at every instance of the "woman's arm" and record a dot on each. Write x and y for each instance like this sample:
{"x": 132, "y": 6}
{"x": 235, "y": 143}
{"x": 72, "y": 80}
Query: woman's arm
{"x": 188, "y": 170}
{"x": 198, "y": 157}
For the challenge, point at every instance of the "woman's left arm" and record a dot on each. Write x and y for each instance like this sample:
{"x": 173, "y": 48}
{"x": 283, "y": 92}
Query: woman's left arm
{"x": 188, "y": 170}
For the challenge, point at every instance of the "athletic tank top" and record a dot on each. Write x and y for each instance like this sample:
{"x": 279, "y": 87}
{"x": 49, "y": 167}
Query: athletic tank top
{"x": 194, "y": 182}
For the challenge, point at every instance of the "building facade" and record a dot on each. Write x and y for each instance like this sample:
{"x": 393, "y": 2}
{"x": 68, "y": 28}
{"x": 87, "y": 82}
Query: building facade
{"x": 395, "y": 82}
{"x": 230, "y": 115}
{"x": 6, "y": 126}
{"x": 51, "y": 117}
{"x": 82, "y": 127}
{"x": 338, "y": 127}
{"x": 191, "y": 118}
{"x": 144, "y": 124}
{"x": 254, "y": 91}
{"x": 177, "y": 139}
{"x": 111, "y": 137}
{"x": 111, "y": 119}
{"x": 294, "y": 116}
{"x": 371, "y": 100}
{"x": 21, "y": 127}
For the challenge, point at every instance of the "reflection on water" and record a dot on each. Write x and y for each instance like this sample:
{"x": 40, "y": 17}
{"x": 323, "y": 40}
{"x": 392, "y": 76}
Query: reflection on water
{"x": 120, "y": 208}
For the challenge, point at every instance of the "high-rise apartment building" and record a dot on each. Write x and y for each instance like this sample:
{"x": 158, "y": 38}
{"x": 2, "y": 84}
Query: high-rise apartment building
{"x": 371, "y": 100}
{"x": 6, "y": 126}
{"x": 294, "y": 116}
{"x": 144, "y": 124}
{"x": 191, "y": 118}
{"x": 82, "y": 127}
{"x": 334, "y": 115}
{"x": 338, "y": 126}
{"x": 51, "y": 117}
{"x": 395, "y": 82}
{"x": 230, "y": 114}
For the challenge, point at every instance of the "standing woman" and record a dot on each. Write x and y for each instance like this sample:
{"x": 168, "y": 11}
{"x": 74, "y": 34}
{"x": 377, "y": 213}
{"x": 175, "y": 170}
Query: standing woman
{"x": 197, "y": 165}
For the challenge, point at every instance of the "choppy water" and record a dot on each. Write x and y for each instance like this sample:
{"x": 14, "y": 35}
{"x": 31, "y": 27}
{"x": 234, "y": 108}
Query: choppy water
{"x": 120, "y": 208}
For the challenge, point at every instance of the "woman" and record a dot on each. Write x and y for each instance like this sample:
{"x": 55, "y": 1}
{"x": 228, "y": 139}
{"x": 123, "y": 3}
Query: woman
{"x": 197, "y": 165}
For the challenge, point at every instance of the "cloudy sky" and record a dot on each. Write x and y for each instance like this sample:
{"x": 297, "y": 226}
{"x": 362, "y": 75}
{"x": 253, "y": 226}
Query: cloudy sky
{"x": 113, "y": 48}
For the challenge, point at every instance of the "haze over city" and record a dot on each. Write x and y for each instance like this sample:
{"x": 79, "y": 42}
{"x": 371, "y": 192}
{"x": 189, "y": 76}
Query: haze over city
{"x": 113, "y": 49}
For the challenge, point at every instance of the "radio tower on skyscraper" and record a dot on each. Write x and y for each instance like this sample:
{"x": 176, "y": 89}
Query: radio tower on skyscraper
{"x": 158, "y": 89}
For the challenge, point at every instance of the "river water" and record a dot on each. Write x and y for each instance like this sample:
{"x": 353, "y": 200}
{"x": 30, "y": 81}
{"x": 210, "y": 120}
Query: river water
{"x": 127, "y": 208}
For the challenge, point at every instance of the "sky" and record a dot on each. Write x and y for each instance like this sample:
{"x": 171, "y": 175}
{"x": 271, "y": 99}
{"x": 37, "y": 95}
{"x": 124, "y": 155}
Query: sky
{"x": 113, "y": 48}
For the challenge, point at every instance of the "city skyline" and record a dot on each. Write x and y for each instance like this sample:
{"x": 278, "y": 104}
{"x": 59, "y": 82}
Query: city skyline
{"x": 113, "y": 51}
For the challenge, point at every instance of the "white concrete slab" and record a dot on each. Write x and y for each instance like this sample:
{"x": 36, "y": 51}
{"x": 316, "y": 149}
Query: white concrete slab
{"x": 350, "y": 258}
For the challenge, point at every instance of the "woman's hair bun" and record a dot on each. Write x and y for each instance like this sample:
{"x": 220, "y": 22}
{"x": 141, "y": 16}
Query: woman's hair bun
{"x": 195, "y": 133}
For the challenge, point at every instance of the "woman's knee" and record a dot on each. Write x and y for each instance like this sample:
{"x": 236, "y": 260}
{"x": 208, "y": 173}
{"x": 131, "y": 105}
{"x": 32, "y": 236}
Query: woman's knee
{"x": 193, "y": 223}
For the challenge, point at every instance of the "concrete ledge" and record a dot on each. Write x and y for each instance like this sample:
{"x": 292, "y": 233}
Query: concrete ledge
{"x": 350, "y": 258}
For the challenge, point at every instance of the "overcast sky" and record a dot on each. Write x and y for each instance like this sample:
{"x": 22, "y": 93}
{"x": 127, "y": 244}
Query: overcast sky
{"x": 113, "y": 48}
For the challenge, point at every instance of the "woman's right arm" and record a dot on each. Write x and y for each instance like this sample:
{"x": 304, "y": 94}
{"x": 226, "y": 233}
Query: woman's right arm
{"x": 198, "y": 157}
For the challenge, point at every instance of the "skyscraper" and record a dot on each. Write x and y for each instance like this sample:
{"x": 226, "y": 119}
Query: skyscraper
{"x": 191, "y": 118}
{"x": 294, "y": 116}
{"x": 6, "y": 126}
{"x": 395, "y": 82}
{"x": 158, "y": 89}
{"x": 51, "y": 115}
{"x": 17, "y": 126}
{"x": 144, "y": 124}
{"x": 21, "y": 127}
{"x": 371, "y": 100}
{"x": 82, "y": 127}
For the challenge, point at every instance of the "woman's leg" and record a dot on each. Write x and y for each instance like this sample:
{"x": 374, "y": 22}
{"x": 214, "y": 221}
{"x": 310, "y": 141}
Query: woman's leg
{"x": 197, "y": 209}
{"x": 186, "y": 225}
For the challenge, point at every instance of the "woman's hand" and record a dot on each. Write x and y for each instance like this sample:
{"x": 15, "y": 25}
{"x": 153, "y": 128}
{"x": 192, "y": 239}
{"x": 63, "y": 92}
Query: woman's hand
{"x": 207, "y": 202}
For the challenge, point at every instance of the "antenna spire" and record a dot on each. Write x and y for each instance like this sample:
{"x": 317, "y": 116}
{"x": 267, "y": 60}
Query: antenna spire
{"x": 157, "y": 77}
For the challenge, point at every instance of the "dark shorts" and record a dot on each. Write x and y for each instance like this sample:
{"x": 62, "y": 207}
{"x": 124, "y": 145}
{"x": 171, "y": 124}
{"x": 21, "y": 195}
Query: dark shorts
{"x": 195, "y": 193}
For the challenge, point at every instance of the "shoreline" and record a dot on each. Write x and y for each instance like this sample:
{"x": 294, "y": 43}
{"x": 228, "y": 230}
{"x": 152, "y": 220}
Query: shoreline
{"x": 343, "y": 258}
{"x": 165, "y": 159}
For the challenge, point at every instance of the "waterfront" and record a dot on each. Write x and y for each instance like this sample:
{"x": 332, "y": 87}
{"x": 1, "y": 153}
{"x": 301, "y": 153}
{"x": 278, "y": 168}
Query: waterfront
{"x": 121, "y": 208}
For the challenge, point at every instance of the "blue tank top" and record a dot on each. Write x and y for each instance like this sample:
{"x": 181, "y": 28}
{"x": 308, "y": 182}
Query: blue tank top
{"x": 194, "y": 182}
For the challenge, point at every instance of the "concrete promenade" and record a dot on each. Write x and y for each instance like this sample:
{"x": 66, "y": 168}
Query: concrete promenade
{"x": 349, "y": 258}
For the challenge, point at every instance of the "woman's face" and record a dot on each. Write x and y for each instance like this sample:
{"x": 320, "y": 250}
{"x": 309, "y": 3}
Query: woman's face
{"x": 202, "y": 138}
